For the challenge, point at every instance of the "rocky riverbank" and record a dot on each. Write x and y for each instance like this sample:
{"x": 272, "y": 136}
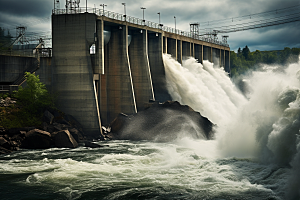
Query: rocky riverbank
{"x": 57, "y": 130}
{"x": 159, "y": 122}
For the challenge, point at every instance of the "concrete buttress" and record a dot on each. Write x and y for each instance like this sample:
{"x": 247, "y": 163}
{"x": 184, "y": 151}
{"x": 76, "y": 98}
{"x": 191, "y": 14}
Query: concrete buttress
{"x": 72, "y": 73}
{"x": 117, "y": 92}
{"x": 140, "y": 68}
{"x": 155, "y": 54}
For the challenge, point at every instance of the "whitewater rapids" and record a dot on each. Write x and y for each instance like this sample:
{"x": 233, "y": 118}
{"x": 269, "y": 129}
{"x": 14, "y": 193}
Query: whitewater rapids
{"x": 255, "y": 155}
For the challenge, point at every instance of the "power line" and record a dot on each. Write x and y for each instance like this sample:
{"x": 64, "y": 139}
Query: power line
{"x": 251, "y": 16}
{"x": 274, "y": 19}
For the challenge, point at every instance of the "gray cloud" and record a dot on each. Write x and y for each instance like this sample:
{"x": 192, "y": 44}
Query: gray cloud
{"x": 33, "y": 14}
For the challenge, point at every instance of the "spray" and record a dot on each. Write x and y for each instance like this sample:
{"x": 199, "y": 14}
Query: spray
{"x": 265, "y": 126}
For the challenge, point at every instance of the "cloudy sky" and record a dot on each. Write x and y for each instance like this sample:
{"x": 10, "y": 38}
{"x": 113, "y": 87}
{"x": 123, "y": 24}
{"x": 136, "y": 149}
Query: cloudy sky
{"x": 36, "y": 15}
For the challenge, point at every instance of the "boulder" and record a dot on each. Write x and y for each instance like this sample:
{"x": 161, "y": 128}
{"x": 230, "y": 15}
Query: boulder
{"x": 37, "y": 139}
{"x": 63, "y": 139}
{"x": 76, "y": 134}
{"x": 118, "y": 123}
{"x": 48, "y": 117}
{"x": 4, "y": 143}
{"x": 15, "y": 131}
{"x": 162, "y": 122}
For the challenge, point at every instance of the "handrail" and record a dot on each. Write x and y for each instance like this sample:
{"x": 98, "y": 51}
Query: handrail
{"x": 137, "y": 21}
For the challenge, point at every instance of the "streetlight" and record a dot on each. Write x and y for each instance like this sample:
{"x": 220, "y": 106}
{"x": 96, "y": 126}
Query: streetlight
{"x": 103, "y": 8}
{"x": 159, "y": 20}
{"x": 175, "y": 24}
{"x": 143, "y": 14}
{"x": 124, "y": 4}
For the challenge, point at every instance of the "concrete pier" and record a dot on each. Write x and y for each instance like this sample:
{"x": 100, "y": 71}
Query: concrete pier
{"x": 117, "y": 90}
{"x": 72, "y": 71}
{"x": 140, "y": 68}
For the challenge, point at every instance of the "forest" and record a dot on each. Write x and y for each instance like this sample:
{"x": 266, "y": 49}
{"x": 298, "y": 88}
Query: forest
{"x": 244, "y": 61}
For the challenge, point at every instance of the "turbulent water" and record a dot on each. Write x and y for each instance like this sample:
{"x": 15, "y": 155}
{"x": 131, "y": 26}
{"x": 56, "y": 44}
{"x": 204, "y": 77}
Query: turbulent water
{"x": 255, "y": 153}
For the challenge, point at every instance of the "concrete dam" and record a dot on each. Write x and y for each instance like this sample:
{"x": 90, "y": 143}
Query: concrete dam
{"x": 104, "y": 64}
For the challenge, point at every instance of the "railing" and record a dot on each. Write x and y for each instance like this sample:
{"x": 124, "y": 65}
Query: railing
{"x": 137, "y": 21}
{"x": 37, "y": 52}
{"x": 4, "y": 88}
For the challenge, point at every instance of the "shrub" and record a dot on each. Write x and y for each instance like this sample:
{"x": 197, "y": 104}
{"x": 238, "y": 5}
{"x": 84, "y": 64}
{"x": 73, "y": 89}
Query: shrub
{"x": 34, "y": 96}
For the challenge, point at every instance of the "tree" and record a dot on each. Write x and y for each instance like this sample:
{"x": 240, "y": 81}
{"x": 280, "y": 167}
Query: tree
{"x": 246, "y": 52}
{"x": 35, "y": 95}
{"x": 239, "y": 52}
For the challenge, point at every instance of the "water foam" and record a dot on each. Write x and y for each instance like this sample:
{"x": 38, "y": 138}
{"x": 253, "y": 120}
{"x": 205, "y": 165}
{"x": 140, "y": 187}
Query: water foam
{"x": 265, "y": 126}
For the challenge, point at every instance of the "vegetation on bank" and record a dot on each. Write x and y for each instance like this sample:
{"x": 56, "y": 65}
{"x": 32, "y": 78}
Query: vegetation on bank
{"x": 31, "y": 101}
{"x": 244, "y": 60}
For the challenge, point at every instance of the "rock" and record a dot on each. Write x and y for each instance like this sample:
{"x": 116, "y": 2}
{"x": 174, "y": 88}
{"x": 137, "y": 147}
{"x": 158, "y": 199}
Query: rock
{"x": 4, "y": 151}
{"x": 37, "y": 139}
{"x": 63, "y": 139}
{"x": 4, "y": 143}
{"x": 162, "y": 122}
{"x": 2, "y": 131}
{"x": 60, "y": 127}
{"x": 76, "y": 134}
{"x": 118, "y": 123}
{"x": 92, "y": 145}
{"x": 14, "y": 131}
{"x": 48, "y": 117}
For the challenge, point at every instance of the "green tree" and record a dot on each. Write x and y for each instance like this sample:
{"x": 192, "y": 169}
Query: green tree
{"x": 246, "y": 52}
{"x": 239, "y": 52}
{"x": 35, "y": 94}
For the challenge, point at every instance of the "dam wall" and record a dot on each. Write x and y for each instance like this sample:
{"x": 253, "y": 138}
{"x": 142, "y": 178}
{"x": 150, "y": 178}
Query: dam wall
{"x": 105, "y": 65}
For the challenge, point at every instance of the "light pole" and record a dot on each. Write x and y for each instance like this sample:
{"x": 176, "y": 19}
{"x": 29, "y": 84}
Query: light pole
{"x": 143, "y": 14}
{"x": 124, "y": 4}
{"x": 103, "y": 8}
{"x": 175, "y": 24}
{"x": 86, "y": 6}
{"x": 159, "y": 24}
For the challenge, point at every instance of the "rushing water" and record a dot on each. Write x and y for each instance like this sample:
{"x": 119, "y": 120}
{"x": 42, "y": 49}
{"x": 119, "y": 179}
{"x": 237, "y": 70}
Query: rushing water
{"x": 255, "y": 154}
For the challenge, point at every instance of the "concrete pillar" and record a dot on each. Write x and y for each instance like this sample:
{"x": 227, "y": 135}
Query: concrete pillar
{"x": 227, "y": 62}
{"x": 72, "y": 72}
{"x": 207, "y": 53}
{"x": 155, "y": 53}
{"x": 179, "y": 51}
{"x": 193, "y": 49}
{"x": 172, "y": 47}
{"x": 186, "y": 49}
{"x": 165, "y": 47}
{"x": 140, "y": 69}
{"x": 117, "y": 92}
{"x": 216, "y": 56}
{"x": 198, "y": 53}
{"x": 222, "y": 56}
{"x": 211, "y": 55}
{"x": 99, "y": 61}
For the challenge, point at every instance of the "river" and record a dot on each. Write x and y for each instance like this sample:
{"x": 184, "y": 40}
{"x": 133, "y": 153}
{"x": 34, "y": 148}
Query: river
{"x": 255, "y": 153}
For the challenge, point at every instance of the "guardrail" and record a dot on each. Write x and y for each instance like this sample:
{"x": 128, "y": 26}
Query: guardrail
{"x": 137, "y": 21}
